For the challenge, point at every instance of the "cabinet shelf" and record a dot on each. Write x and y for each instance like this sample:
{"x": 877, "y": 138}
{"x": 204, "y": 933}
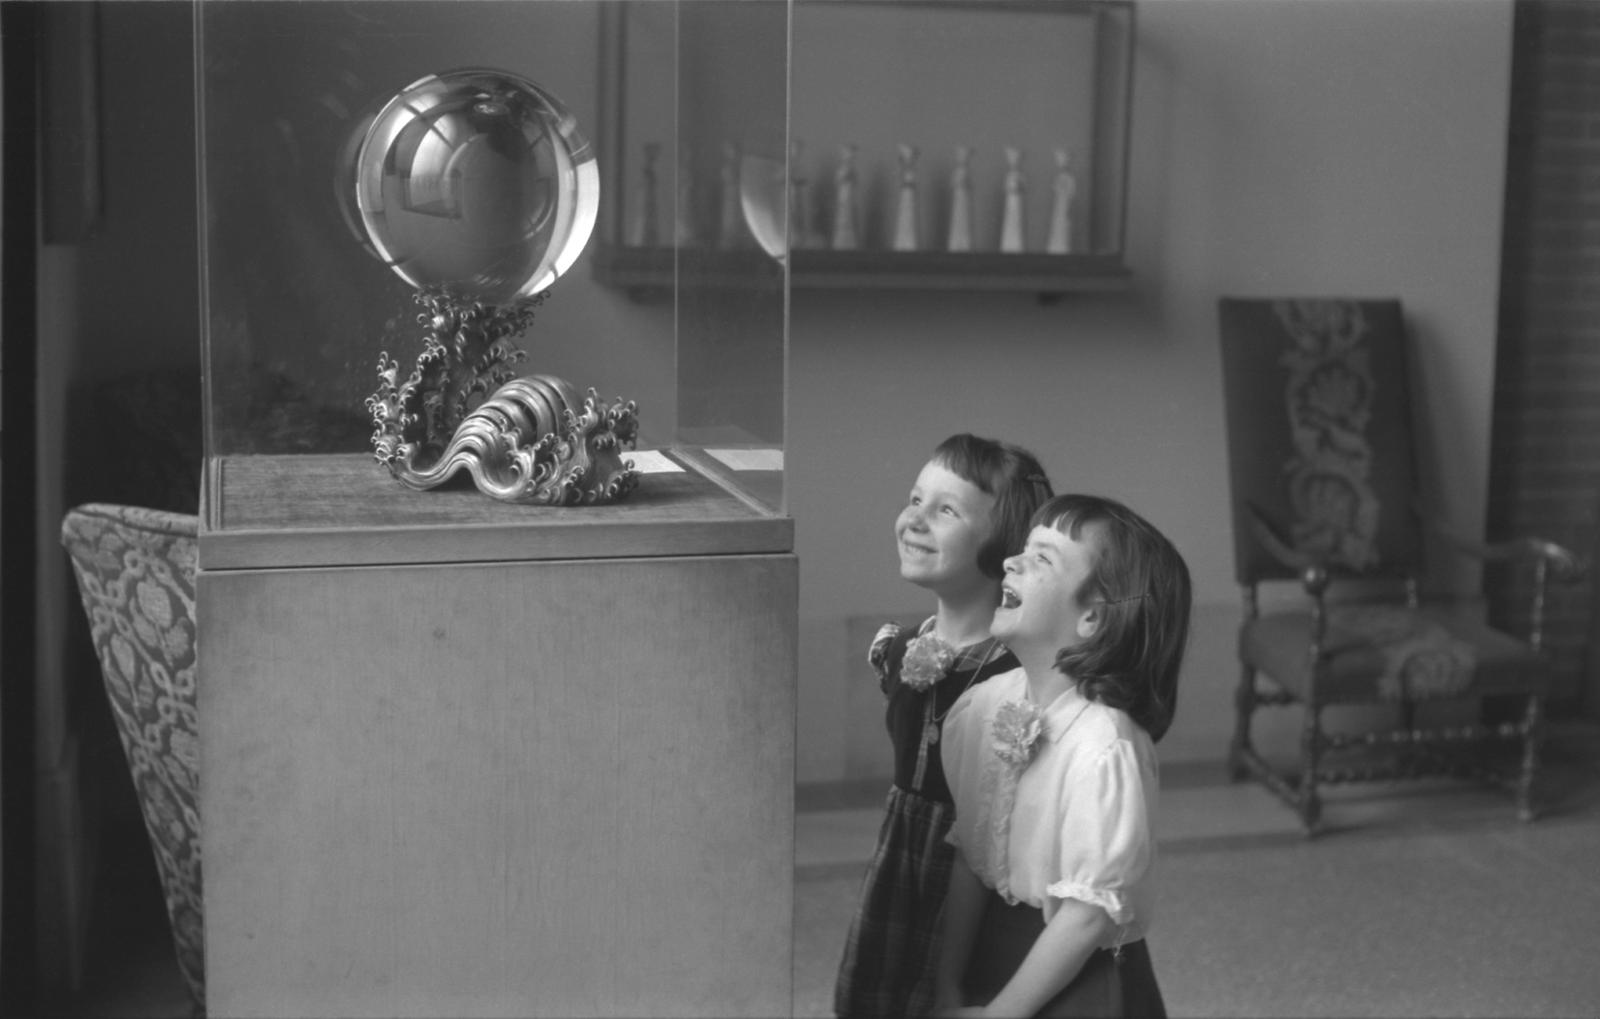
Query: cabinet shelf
{"x": 941, "y": 270}
{"x": 642, "y": 271}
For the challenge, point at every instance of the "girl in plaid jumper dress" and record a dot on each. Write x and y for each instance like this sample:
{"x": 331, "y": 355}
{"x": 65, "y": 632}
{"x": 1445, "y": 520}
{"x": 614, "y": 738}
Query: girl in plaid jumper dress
{"x": 967, "y": 511}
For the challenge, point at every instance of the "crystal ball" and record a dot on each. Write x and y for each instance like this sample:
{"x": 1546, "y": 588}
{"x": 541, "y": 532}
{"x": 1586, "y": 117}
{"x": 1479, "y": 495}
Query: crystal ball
{"x": 477, "y": 180}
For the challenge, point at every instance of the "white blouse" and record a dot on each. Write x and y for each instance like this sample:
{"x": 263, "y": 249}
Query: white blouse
{"x": 1077, "y": 823}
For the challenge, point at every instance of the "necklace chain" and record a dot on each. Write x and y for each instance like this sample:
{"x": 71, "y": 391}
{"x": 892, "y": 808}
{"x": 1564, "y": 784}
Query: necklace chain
{"x": 935, "y": 719}
{"x": 930, "y": 720}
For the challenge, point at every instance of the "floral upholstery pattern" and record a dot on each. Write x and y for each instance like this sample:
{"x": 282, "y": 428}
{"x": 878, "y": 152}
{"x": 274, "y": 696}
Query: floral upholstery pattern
{"x": 136, "y": 575}
{"x": 1417, "y": 658}
{"x": 1329, "y": 395}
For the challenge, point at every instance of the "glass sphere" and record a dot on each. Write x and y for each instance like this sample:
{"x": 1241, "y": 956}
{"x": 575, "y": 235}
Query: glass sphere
{"x": 477, "y": 180}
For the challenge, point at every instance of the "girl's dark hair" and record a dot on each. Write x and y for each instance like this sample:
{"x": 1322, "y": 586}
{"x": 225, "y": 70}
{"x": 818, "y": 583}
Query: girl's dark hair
{"x": 1132, "y": 660}
{"x": 1009, "y": 473}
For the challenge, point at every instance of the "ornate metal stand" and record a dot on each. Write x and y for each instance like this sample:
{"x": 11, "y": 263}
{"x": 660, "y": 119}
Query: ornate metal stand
{"x": 529, "y": 441}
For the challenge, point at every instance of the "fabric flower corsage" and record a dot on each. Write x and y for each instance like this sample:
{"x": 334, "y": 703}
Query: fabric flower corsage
{"x": 1018, "y": 725}
{"x": 878, "y": 653}
{"x": 926, "y": 661}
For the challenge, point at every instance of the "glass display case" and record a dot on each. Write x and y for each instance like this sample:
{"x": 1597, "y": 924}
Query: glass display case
{"x": 473, "y": 740}
{"x": 302, "y": 302}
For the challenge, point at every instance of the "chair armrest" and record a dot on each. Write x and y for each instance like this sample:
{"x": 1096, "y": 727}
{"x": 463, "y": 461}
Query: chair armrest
{"x": 1548, "y": 559}
{"x": 1561, "y": 562}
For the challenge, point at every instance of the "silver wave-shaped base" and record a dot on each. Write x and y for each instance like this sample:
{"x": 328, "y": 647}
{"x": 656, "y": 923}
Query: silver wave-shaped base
{"x": 531, "y": 441}
{"x": 525, "y": 444}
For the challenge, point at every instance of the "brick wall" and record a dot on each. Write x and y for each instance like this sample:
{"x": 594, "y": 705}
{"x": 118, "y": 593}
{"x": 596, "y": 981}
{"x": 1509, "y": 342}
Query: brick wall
{"x": 1545, "y": 447}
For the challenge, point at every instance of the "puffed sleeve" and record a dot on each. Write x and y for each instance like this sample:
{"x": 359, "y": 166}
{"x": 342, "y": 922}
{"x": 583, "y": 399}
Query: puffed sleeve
{"x": 1105, "y": 839}
{"x": 878, "y": 652}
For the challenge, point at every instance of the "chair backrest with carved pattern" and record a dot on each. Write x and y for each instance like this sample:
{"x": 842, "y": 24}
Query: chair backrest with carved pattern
{"x": 1320, "y": 435}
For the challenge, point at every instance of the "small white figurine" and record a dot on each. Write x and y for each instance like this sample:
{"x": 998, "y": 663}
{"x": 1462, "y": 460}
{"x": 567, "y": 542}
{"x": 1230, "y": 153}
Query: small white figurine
{"x": 845, "y": 236}
{"x": 959, "y": 237}
{"x": 646, "y": 233}
{"x": 688, "y": 233}
{"x": 1011, "y": 227}
{"x": 802, "y": 232}
{"x": 1066, "y": 189}
{"x": 907, "y": 237}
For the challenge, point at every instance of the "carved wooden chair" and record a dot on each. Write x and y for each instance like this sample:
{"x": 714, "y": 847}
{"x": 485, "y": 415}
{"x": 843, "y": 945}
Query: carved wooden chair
{"x": 136, "y": 570}
{"x": 1323, "y": 484}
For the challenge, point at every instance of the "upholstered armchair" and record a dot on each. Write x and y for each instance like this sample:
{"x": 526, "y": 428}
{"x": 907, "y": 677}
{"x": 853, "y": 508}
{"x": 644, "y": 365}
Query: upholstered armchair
{"x": 136, "y": 573}
{"x": 1323, "y": 479}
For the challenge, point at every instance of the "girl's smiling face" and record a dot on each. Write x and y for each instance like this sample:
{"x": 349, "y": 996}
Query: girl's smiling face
{"x": 945, "y": 522}
{"x": 1039, "y": 597}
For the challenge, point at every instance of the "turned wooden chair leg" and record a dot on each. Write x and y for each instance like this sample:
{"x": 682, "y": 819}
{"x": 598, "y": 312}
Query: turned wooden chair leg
{"x": 1244, "y": 704}
{"x": 1532, "y": 734}
{"x": 1310, "y": 801}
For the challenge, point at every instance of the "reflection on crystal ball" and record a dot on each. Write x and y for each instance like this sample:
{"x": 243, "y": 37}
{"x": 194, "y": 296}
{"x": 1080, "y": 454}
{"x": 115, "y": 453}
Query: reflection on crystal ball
{"x": 477, "y": 180}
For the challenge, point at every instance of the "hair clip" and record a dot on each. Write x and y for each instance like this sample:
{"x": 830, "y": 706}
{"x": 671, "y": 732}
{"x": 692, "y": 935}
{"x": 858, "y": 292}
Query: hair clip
{"x": 1131, "y": 597}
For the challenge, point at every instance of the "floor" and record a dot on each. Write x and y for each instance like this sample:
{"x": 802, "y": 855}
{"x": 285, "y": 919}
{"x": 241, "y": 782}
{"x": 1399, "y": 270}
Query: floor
{"x": 1424, "y": 898}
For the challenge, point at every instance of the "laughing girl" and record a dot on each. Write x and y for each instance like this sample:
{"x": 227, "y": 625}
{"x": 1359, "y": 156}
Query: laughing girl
{"x": 1053, "y": 769}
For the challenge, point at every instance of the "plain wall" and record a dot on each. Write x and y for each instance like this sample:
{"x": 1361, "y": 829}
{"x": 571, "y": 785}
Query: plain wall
{"x": 1313, "y": 147}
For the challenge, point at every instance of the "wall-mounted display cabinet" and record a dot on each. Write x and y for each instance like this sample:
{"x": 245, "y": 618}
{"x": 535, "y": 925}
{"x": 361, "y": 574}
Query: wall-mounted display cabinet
{"x": 465, "y": 756}
{"x": 977, "y": 145}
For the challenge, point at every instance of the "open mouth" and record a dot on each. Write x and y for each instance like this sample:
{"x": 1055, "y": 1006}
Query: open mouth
{"x": 1009, "y": 598}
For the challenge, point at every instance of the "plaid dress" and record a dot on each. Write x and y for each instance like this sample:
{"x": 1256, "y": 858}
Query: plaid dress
{"x": 892, "y": 952}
